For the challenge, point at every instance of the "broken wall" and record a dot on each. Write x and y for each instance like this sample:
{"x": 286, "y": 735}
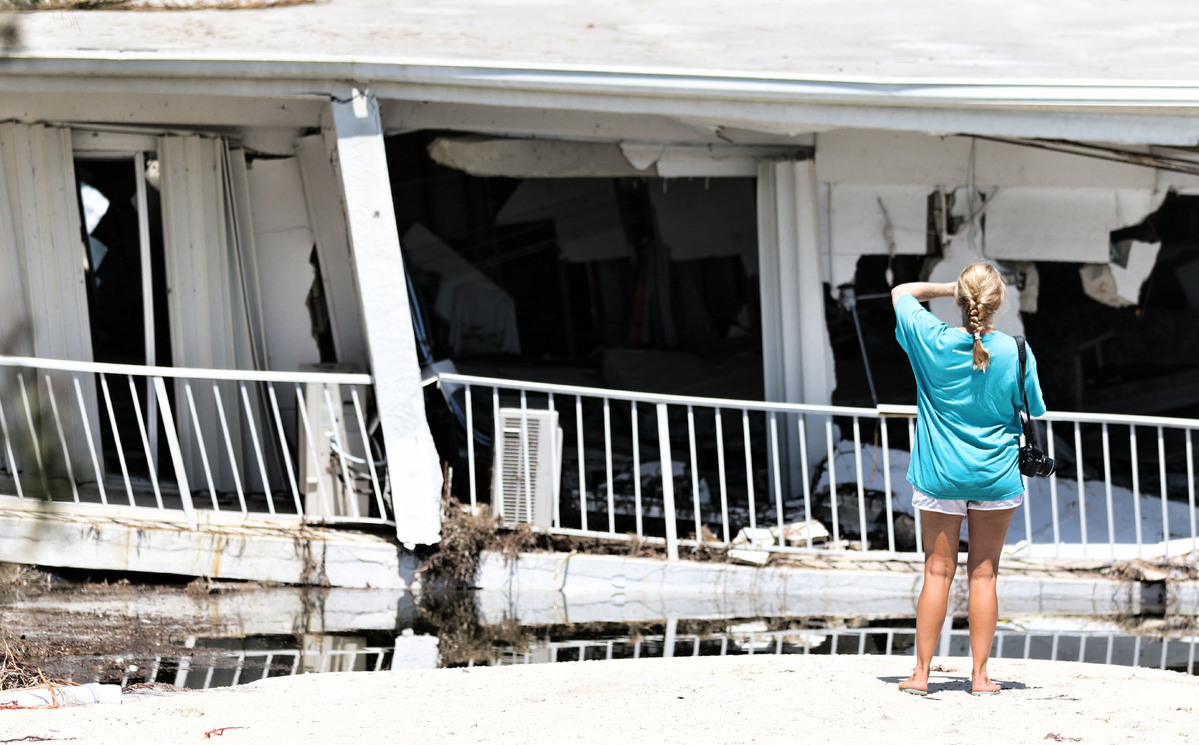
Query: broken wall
{"x": 1007, "y": 202}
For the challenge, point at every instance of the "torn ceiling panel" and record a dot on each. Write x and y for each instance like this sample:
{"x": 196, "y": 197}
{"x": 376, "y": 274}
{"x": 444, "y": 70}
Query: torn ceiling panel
{"x": 675, "y": 161}
{"x": 1057, "y": 224}
{"x": 586, "y": 219}
{"x": 516, "y": 158}
{"x": 863, "y": 156}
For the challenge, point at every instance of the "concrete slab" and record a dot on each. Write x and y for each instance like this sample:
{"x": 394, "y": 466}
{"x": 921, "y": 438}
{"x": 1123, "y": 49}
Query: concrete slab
{"x": 1182, "y": 597}
{"x": 577, "y": 588}
{"x": 232, "y": 611}
{"x": 51, "y": 535}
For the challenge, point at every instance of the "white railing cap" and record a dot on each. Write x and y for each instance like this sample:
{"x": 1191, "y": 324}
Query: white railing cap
{"x": 260, "y": 376}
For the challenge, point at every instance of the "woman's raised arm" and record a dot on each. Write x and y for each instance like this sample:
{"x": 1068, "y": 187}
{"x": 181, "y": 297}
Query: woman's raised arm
{"x": 922, "y": 291}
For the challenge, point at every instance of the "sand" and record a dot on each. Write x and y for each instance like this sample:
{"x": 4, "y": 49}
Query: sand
{"x": 745, "y": 699}
{"x": 694, "y": 700}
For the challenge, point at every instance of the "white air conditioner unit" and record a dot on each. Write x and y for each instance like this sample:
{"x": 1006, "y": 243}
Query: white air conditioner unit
{"x": 334, "y": 424}
{"x": 527, "y": 466}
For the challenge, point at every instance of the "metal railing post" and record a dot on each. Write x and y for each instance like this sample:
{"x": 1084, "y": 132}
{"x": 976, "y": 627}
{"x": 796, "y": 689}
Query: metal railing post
{"x": 168, "y": 420}
{"x": 668, "y": 510}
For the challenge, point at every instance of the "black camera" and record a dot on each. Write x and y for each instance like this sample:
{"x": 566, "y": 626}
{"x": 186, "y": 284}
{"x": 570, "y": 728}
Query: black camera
{"x": 1035, "y": 463}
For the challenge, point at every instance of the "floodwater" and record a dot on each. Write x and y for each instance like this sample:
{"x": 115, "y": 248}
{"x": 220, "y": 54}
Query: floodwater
{"x": 204, "y": 636}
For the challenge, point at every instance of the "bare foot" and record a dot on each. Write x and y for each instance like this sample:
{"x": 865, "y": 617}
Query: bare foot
{"x": 916, "y": 684}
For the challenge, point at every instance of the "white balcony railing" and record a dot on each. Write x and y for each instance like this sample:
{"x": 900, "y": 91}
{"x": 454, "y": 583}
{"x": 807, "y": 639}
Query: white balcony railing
{"x": 185, "y": 442}
{"x": 1124, "y": 488}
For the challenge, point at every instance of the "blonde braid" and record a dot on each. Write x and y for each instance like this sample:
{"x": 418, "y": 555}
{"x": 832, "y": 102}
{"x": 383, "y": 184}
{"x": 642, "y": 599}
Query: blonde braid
{"x": 982, "y": 358}
{"x": 979, "y": 293}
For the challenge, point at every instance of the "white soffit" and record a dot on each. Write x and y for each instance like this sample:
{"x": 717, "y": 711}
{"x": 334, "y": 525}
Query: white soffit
{"x": 1062, "y": 224}
{"x": 881, "y": 157}
{"x": 874, "y": 156}
{"x": 1012, "y": 164}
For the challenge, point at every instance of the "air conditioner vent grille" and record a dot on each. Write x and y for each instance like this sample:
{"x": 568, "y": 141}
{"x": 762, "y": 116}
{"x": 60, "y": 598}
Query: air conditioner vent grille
{"x": 527, "y": 465}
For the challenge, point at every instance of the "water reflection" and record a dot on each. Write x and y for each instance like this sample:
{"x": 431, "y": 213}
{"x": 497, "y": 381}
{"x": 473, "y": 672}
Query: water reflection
{"x": 236, "y": 634}
{"x": 226, "y": 662}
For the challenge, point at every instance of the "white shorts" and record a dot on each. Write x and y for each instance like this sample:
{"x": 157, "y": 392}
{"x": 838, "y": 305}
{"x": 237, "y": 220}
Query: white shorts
{"x": 959, "y": 506}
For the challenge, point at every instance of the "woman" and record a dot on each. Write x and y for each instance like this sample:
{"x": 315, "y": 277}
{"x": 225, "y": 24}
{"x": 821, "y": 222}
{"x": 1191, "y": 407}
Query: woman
{"x": 964, "y": 457}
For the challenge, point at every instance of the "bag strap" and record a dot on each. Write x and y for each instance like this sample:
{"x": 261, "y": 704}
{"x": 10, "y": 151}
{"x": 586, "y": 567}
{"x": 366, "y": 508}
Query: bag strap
{"x": 1026, "y": 420}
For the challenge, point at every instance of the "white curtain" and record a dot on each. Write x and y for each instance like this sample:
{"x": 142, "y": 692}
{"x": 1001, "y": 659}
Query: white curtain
{"x": 207, "y": 243}
{"x": 43, "y": 293}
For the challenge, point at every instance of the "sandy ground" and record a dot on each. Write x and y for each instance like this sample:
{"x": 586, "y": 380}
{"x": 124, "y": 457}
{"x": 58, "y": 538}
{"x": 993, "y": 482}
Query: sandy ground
{"x": 760, "y": 699}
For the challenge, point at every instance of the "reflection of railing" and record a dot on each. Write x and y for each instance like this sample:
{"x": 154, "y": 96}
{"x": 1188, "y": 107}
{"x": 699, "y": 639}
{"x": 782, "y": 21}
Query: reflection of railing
{"x": 236, "y": 442}
{"x": 1105, "y": 647}
{"x": 214, "y": 664}
{"x": 764, "y": 467}
{"x": 235, "y": 667}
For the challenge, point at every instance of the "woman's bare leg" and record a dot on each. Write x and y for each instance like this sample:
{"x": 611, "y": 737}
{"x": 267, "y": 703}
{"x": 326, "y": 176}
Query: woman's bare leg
{"x": 940, "y": 533}
{"x": 987, "y": 530}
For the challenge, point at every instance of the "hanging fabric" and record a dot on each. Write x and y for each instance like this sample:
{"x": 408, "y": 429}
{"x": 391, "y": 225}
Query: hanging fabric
{"x": 43, "y": 303}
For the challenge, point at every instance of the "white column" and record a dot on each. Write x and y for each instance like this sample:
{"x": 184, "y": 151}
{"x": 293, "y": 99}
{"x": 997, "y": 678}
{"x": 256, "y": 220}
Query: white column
{"x": 375, "y": 247}
{"x": 796, "y": 354}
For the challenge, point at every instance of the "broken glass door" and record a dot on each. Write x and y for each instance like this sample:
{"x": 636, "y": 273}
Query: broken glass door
{"x": 122, "y": 228}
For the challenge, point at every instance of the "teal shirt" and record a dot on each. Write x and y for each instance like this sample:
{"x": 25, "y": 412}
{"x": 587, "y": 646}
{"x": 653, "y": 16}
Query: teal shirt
{"x": 967, "y": 428}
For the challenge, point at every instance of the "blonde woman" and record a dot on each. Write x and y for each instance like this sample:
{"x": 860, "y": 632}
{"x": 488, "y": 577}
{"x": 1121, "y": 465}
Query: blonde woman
{"x": 964, "y": 457}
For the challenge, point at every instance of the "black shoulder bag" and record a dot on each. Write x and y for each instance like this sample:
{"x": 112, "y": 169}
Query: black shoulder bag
{"x": 1033, "y": 461}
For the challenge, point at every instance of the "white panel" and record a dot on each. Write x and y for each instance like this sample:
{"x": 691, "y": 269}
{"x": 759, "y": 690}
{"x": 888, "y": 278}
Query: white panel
{"x": 1003, "y": 164}
{"x": 283, "y": 243}
{"x": 861, "y": 156}
{"x": 859, "y": 216}
{"x": 277, "y": 195}
{"x": 12, "y": 272}
{"x": 205, "y": 304}
{"x": 44, "y": 287}
{"x": 246, "y": 278}
{"x": 769, "y": 287}
{"x": 1058, "y": 224}
{"x": 326, "y": 214}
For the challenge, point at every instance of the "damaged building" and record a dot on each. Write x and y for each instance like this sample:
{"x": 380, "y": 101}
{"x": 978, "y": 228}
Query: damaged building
{"x": 304, "y": 280}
